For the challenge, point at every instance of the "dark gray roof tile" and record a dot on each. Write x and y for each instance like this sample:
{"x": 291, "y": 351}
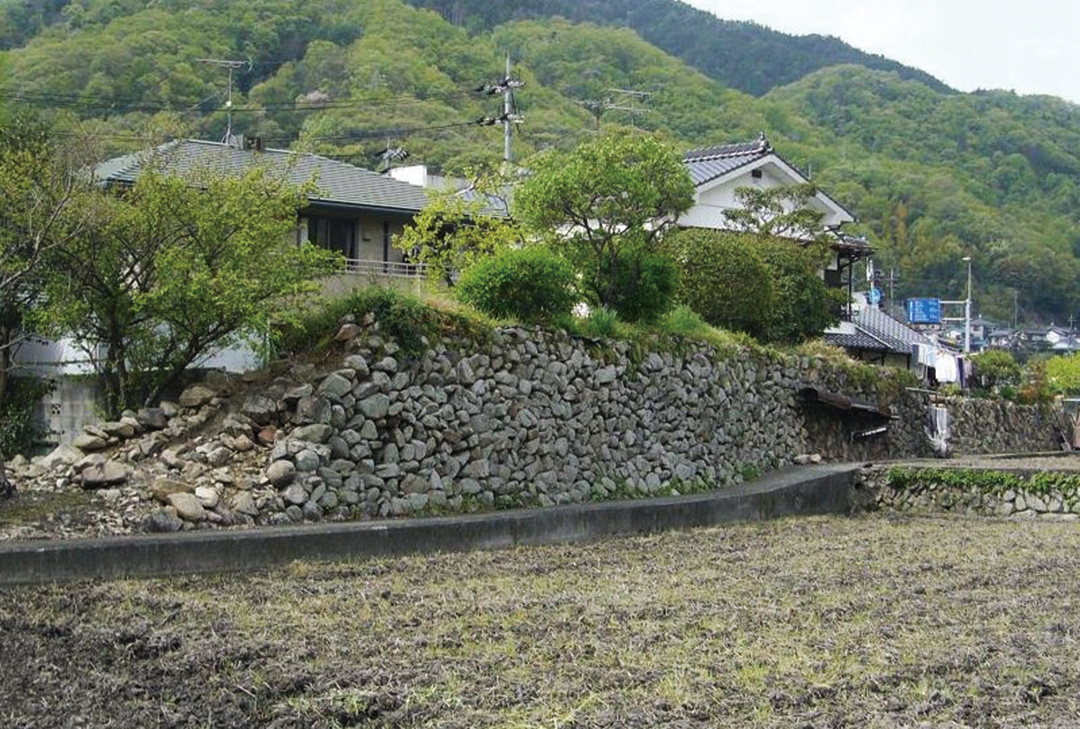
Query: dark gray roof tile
{"x": 337, "y": 183}
{"x": 858, "y": 340}
{"x": 712, "y": 162}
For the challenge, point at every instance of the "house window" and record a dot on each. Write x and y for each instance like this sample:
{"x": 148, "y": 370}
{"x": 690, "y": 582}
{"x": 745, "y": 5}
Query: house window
{"x": 333, "y": 234}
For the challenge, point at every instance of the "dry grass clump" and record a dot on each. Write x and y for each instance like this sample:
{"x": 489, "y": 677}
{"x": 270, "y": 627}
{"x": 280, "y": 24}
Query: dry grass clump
{"x": 822, "y": 622}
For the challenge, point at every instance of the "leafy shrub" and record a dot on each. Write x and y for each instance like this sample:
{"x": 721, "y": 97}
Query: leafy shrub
{"x": 765, "y": 286}
{"x": 602, "y": 323}
{"x": 683, "y": 321}
{"x": 1042, "y": 381}
{"x": 645, "y": 285}
{"x": 527, "y": 284}
{"x": 18, "y": 431}
{"x": 804, "y": 306}
{"x": 723, "y": 278}
{"x": 996, "y": 370}
{"x": 1062, "y": 373}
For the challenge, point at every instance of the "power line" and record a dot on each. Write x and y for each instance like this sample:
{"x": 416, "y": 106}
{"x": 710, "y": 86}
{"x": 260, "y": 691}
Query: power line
{"x": 353, "y": 136}
{"x": 89, "y": 103}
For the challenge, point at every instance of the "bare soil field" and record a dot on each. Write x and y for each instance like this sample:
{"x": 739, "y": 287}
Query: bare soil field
{"x": 820, "y": 622}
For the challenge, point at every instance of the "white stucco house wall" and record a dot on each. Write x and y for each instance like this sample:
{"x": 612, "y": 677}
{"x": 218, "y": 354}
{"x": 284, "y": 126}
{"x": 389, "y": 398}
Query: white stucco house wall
{"x": 717, "y": 172}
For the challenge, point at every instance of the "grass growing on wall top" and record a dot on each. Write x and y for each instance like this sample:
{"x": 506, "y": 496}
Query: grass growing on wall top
{"x": 415, "y": 322}
{"x": 987, "y": 481}
{"x": 409, "y": 320}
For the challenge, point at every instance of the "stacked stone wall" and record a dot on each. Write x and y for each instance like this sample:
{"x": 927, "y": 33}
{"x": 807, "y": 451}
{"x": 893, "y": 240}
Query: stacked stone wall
{"x": 519, "y": 417}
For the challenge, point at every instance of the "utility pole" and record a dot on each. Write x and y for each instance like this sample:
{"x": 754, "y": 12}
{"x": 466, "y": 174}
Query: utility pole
{"x": 629, "y": 103}
{"x": 509, "y": 116}
{"x": 879, "y": 277}
{"x": 508, "y": 109}
{"x": 232, "y": 66}
{"x": 967, "y": 310}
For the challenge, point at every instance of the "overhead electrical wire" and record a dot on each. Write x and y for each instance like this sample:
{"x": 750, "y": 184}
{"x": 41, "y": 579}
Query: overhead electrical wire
{"x": 55, "y": 100}
{"x": 345, "y": 137}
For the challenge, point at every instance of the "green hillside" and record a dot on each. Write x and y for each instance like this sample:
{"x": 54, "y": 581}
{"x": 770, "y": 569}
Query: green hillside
{"x": 744, "y": 56}
{"x": 937, "y": 177}
{"x": 933, "y": 175}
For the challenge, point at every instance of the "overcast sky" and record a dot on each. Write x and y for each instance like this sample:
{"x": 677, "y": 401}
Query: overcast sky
{"x": 1030, "y": 47}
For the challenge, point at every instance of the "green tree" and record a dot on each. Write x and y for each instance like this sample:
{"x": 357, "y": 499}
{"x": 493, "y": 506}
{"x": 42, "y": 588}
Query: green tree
{"x": 176, "y": 267}
{"x": 996, "y": 369}
{"x": 1063, "y": 374}
{"x": 42, "y": 211}
{"x": 723, "y": 278}
{"x": 646, "y": 285}
{"x": 611, "y": 194}
{"x": 804, "y": 305}
{"x": 455, "y": 231}
{"x": 781, "y": 212}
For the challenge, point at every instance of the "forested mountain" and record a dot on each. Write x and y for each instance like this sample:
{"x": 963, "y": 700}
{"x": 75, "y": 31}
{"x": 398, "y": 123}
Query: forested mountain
{"x": 933, "y": 175}
{"x": 744, "y": 56}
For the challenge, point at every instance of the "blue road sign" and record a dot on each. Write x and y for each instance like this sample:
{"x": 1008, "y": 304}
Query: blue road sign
{"x": 875, "y": 295}
{"x": 924, "y": 311}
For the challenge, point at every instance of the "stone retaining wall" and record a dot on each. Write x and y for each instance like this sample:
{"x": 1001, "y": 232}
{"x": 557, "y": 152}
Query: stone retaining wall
{"x": 531, "y": 418}
{"x": 520, "y": 418}
{"x": 988, "y": 492}
{"x": 539, "y": 418}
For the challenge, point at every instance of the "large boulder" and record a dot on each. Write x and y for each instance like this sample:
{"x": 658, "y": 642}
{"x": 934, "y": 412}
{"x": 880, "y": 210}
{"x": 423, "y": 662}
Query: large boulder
{"x": 260, "y": 408}
{"x": 152, "y": 418}
{"x": 244, "y": 503}
{"x": 90, "y": 442}
{"x": 163, "y": 521}
{"x": 196, "y": 396}
{"x": 121, "y": 429}
{"x": 187, "y": 507}
{"x": 281, "y": 473}
{"x": 109, "y": 473}
{"x": 317, "y": 433}
{"x": 312, "y": 409}
{"x": 335, "y": 386}
{"x": 62, "y": 455}
{"x": 375, "y": 406}
{"x": 163, "y": 488}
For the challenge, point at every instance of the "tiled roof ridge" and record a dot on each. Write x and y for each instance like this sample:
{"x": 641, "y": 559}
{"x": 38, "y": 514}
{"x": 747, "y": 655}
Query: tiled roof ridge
{"x": 278, "y": 150}
{"x": 738, "y": 149}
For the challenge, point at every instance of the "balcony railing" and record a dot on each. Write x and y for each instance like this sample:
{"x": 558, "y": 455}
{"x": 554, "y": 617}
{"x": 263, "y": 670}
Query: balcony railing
{"x": 389, "y": 269}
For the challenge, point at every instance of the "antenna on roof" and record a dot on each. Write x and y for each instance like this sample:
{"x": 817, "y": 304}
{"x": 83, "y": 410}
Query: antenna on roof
{"x": 390, "y": 155}
{"x": 231, "y": 65}
{"x": 628, "y": 101}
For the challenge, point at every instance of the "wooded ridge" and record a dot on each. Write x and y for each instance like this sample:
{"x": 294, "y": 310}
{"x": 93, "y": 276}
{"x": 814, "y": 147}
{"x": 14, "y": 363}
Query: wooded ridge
{"x": 933, "y": 175}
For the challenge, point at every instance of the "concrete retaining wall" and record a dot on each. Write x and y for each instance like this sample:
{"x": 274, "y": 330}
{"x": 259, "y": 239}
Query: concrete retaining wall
{"x": 811, "y": 490}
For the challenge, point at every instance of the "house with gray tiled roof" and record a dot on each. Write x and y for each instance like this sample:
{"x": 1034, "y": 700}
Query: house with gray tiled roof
{"x": 717, "y": 172}
{"x": 351, "y": 210}
{"x": 876, "y": 337}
